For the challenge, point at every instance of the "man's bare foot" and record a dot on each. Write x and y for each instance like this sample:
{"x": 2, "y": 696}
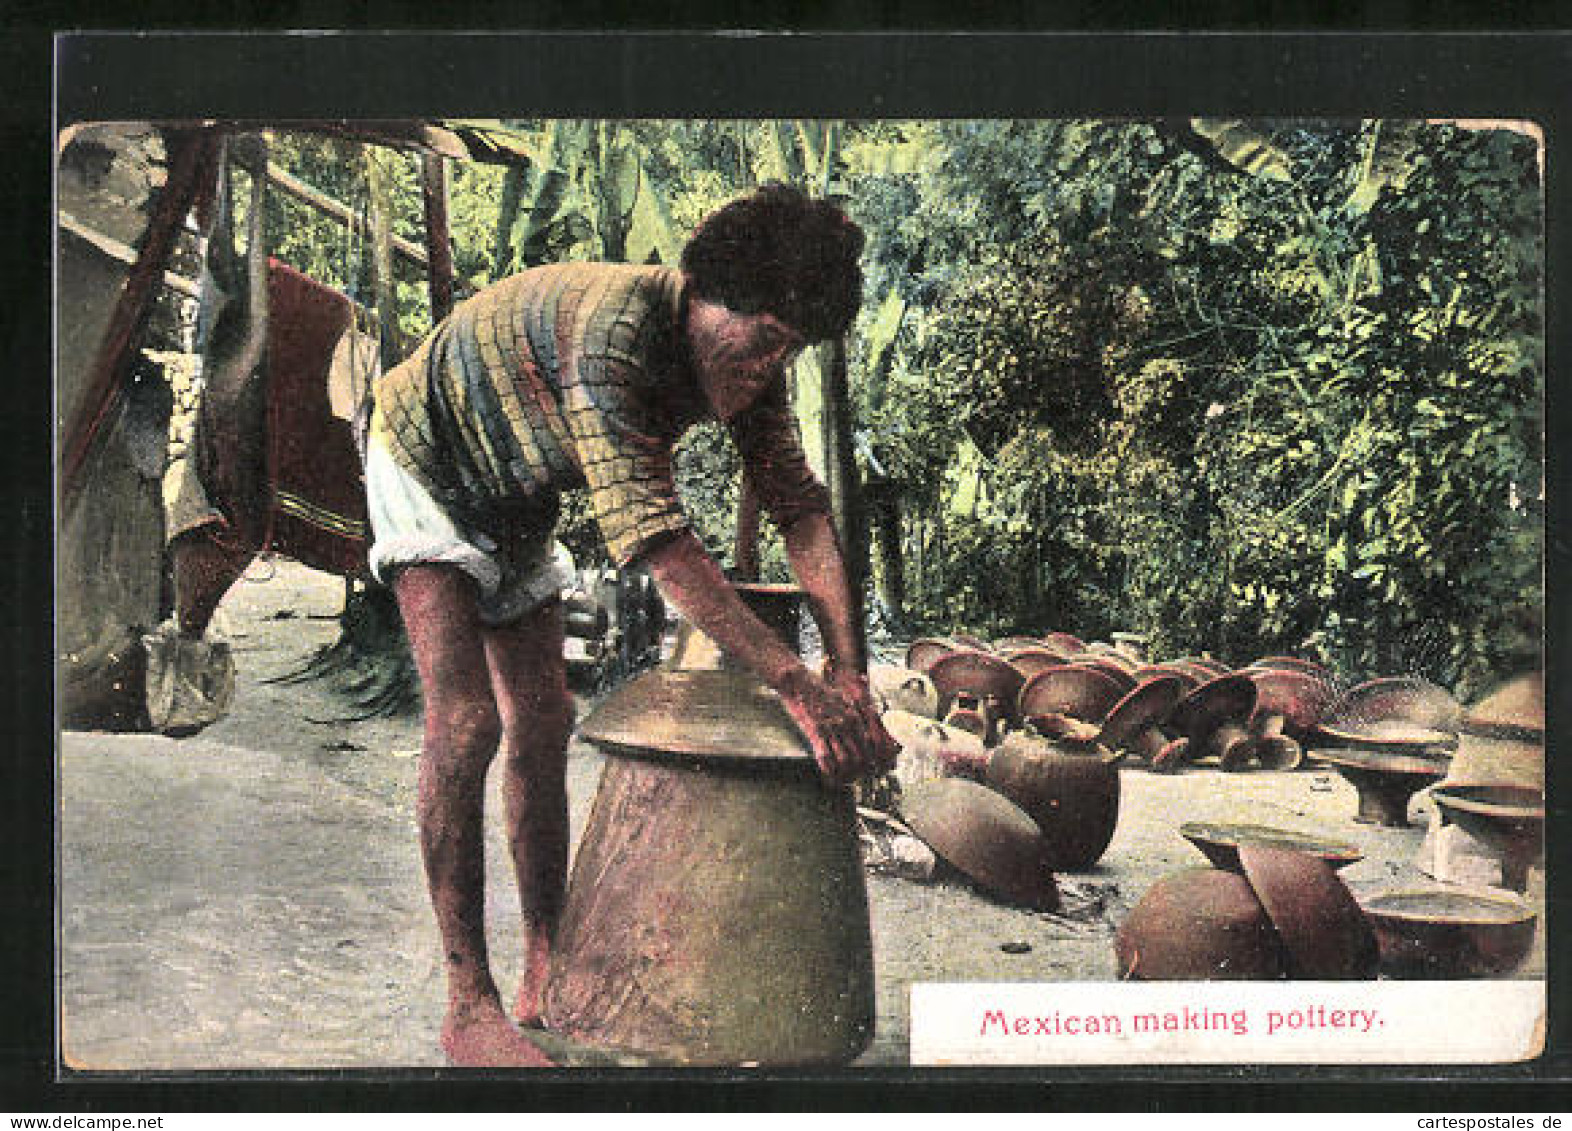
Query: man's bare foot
{"x": 481, "y": 1036}
{"x": 532, "y": 986}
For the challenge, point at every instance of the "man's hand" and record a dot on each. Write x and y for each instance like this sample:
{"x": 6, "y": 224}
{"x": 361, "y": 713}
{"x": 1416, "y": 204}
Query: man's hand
{"x": 847, "y": 738}
{"x": 854, "y": 686}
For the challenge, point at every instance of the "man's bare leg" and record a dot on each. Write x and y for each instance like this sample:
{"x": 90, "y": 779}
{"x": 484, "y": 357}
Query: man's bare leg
{"x": 529, "y": 679}
{"x": 462, "y": 727}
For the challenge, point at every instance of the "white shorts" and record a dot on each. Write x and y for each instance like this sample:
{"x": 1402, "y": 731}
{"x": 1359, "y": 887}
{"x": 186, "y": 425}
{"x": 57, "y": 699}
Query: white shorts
{"x": 514, "y": 572}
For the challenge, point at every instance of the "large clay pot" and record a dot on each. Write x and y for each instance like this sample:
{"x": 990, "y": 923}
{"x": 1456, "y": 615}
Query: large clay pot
{"x": 717, "y": 912}
{"x": 1200, "y": 924}
{"x": 1073, "y": 797}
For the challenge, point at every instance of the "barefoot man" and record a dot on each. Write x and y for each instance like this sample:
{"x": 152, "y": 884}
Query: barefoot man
{"x": 587, "y": 374}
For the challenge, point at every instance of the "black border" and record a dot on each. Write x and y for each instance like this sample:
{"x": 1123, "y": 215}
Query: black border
{"x": 656, "y": 73}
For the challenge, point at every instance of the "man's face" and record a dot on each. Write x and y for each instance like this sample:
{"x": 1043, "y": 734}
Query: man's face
{"x": 737, "y": 355}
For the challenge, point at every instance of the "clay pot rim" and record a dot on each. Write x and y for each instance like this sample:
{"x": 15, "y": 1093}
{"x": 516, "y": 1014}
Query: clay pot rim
{"x": 1124, "y": 678}
{"x": 1449, "y": 794}
{"x": 1064, "y": 640}
{"x": 1303, "y": 896}
{"x": 1517, "y": 910}
{"x": 1380, "y": 761}
{"x": 1392, "y": 744}
{"x": 1292, "y": 663}
{"x": 1226, "y": 836}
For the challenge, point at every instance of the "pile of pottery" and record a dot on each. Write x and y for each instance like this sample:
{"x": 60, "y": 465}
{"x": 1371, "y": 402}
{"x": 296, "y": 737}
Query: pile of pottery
{"x": 1192, "y": 711}
{"x": 1389, "y": 738}
{"x": 1274, "y": 913}
{"x": 1272, "y": 906}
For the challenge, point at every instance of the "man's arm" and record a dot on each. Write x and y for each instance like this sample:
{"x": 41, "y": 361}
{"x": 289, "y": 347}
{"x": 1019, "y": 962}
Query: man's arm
{"x": 836, "y": 726}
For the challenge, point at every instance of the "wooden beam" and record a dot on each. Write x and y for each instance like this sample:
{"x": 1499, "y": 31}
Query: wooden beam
{"x": 191, "y": 157}
{"x": 124, "y": 253}
{"x": 295, "y": 187}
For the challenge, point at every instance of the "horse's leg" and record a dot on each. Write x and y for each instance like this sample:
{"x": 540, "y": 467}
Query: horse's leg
{"x": 204, "y": 569}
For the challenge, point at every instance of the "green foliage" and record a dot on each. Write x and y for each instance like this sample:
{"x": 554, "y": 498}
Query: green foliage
{"x": 1277, "y": 394}
{"x": 1242, "y": 386}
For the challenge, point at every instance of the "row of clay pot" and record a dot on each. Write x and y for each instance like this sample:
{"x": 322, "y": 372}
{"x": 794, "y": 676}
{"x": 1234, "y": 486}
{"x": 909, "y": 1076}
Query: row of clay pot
{"x": 1191, "y": 710}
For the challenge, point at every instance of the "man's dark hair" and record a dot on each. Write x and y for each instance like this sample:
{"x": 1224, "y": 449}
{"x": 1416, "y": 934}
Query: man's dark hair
{"x": 782, "y": 252}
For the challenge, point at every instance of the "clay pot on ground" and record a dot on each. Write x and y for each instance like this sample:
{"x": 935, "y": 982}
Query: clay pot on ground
{"x": 1384, "y": 782}
{"x": 1135, "y": 724}
{"x": 1508, "y": 820}
{"x": 984, "y": 836}
{"x": 921, "y": 654}
{"x": 1283, "y": 914}
{"x": 1219, "y": 843}
{"x": 1450, "y": 932}
{"x": 1202, "y": 924}
{"x": 930, "y": 749}
{"x": 902, "y": 689}
{"x": 1072, "y": 796}
{"x": 1288, "y": 705}
{"x": 1324, "y": 932}
{"x": 1214, "y": 721}
{"x": 987, "y": 678}
{"x": 1054, "y": 698}
{"x": 1503, "y": 736}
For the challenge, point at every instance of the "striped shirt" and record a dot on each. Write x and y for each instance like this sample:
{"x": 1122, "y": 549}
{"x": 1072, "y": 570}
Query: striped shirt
{"x": 568, "y": 376}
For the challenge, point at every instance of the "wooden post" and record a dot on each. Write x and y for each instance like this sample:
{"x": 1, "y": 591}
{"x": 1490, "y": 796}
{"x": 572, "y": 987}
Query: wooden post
{"x": 383, "y": 283}
{"x": 190, "y": 158}
{"x": 439, "y": 250}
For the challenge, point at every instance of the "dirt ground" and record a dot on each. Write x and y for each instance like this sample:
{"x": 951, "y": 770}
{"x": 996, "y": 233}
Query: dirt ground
{"x": 252, "y": 897}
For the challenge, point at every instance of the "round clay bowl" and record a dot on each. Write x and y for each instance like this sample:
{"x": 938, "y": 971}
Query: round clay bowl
{"x": 1220, "y": 843}
{"x": 985, "y": 836}
{"x": 1384, "y": 782}
{"x": 981, "y": 675}
{"x": 1030, "y": 661}
{"x": 1411, "y": 699}
{"x": 1194, "y": 672}
{"x": 1080, "y": 692}
{"x": 1102, "y": 650}
{"x": 1509, "y": 819}
{"x": 1200, "y": 924}
{"x": 1225, "y": 700}
{"x": 1324, "y": 932}
{"x": 1450, "y": 932}
{"x": 1074, "y": 798}
{"x": 1299, "y": 698}
{"x": 920, "y": 656}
